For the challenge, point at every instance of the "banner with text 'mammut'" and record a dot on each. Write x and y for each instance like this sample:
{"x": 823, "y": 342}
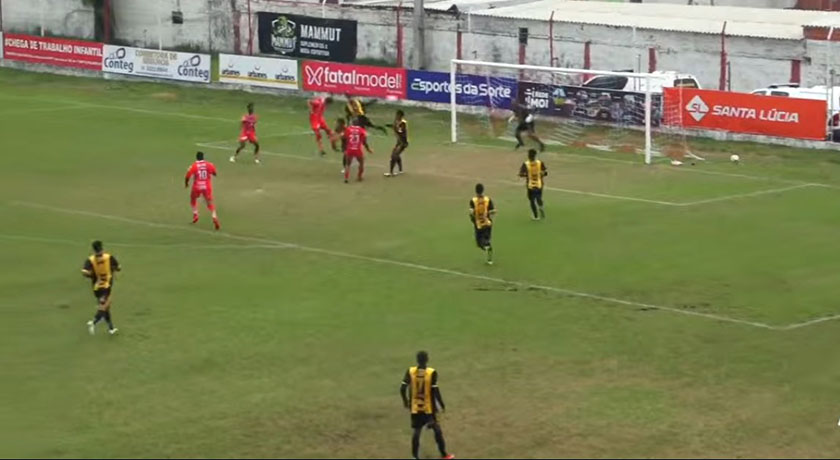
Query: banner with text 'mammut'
{"x": 746, "y": 113}
{"x": 360, "y": 80}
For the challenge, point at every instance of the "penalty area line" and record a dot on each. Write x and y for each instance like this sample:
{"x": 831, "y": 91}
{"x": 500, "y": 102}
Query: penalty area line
{"x": 411, "y": 265}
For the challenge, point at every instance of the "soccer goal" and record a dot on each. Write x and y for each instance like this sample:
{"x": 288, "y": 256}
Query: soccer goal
{"x": 576, "y": 108}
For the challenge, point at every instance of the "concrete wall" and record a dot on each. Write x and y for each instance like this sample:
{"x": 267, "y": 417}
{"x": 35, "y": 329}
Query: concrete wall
{"x": 207, "y": 24}
{"x": 214, "y": 24}
{"x": 64, "y": 18}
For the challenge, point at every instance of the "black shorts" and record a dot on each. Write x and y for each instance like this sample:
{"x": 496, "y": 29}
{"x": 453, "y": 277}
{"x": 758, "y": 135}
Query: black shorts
{"x": 402, "y": 143}
{"x": 525, "y": 126}
{"x": 534, "y": 193}
{"x": 482, "y": 236}
{"x": 102, "y": 293}
{"x": 423, "y": 420}
{"x": 364, "y": 121}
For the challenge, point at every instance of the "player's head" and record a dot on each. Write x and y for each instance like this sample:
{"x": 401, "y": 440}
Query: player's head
{"x": 199, "y": 156}
{"x": 479, "y": 189}
{"x": 532, "y": 154}
{"x": 400, "y": 114}
{"x": 97, "y": 247}
{"x": 348, "y": 96}
{"x": 422, "y": 358}
{"x": 340, "y": 122}
{"x": 328, "y": 100}
{"x": 250, "y": 107}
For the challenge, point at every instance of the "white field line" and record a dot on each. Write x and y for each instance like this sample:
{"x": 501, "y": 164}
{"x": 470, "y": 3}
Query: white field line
{"x": 215, "y": 145}
{"x": 420, "y": 267}
{"x": 748, "y": 195}
{"x": 811, "y": 322}
{"x": 35, "y": 239}
{"x": 41, "y": 110}
{"x": 453, "y": 176}
{"x": 149, "y": 224}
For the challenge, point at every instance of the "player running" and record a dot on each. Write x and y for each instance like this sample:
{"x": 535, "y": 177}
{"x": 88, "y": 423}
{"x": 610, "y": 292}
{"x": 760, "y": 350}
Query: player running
{"x": 422, "y": 399}
{"x": 317, "y": 107}
{"x": 201, "y": 172}
{"x": 400, "y": 127}
{"x": 100, "y": 268}
{"x": 525, "y": 124}
{"x": 534, "y": 172}
{"x": 356, "y": 138}
{"x": 481, "y": 215}
{"x": 248, "y": 134}
{"x": 356, "y": 110}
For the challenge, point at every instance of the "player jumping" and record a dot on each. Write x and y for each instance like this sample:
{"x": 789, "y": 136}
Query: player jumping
{"x": 421, "y": 396}
{"x": 248, "y": 134}
{"x": 525, "y": 124}
{"x": 356, "y": 110}
{"x": 481, "y": 215}
{"x": 534, "y": 172}
{"x": 201, "y": 172}
{"x": 100, "y": 268}
{"x": 317, "y": 106}
{"x": 401, "y": 132}
{"x": 356, "y": 138}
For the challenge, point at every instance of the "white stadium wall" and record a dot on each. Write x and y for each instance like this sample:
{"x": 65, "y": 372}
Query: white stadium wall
{"x": 63, "y": 18}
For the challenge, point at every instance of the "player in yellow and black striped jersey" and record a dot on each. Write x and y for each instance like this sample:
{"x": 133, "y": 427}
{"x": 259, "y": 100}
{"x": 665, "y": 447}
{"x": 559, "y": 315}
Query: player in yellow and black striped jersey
{"x": 421, "y": 395}
{"x": 355, "y": 112}
{"x": 100, "y": 267}
{"x": 534, "y": 172}
{"x": 482, "y": 210}
{"x": 400, "y": 127}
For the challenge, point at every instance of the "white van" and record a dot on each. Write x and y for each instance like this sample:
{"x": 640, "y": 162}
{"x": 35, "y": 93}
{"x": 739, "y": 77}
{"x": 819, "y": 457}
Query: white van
{"x": 817, "y": 93}
{"x": 662, "y": 79}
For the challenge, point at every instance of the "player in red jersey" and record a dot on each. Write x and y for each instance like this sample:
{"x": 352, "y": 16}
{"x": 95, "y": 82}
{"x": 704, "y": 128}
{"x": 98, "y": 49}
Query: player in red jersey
{"x": 248, "y": 134}
{"x": 317, "y": 106}
{"x": 356, "y": 137}
{"x": 202, "y": 173}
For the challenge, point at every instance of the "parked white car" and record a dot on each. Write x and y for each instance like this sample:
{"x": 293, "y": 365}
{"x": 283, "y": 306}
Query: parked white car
{"x": 662, "y": 79}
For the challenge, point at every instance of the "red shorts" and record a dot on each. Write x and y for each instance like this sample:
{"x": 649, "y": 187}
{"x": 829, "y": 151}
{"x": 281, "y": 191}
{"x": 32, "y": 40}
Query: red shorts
{"x": 319, "y": 124}
{"x": 248, "y": 136}
{"x": 206, "y": 193}
{"x": 354, "y": 154}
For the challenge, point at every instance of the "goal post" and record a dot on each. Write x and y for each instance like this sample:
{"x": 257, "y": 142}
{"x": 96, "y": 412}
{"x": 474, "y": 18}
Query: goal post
{"x": 577, "y": 120}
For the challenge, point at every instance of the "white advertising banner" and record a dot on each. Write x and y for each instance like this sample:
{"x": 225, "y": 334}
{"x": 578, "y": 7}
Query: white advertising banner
{"x": 257, "y": 71}
{"x": 172, "y": 65}
{"x": 1, "y": 44}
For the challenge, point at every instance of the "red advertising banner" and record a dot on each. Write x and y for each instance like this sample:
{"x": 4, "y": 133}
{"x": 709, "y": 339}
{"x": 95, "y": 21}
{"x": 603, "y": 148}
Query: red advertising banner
{"x": 53, "y": 51}
{"x": 361, "y": 80}
{"x": 746, "y": 113}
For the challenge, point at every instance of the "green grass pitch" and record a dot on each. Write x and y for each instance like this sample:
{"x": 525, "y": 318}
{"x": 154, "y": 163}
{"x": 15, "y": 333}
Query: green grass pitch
{"x": 658, "y": 311}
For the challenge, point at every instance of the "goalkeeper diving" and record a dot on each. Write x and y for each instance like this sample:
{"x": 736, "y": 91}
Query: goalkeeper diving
{"x": 525, "y": 124}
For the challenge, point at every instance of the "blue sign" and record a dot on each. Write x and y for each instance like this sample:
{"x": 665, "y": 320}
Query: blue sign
{"x": 489, "y": 91}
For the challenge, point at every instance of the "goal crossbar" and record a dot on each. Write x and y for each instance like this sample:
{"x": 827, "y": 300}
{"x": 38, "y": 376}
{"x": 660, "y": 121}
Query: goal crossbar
{"x": 453, "y": 101}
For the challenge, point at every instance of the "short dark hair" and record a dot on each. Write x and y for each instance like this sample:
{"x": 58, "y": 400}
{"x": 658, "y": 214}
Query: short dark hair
{"x": 250, "y": 106}
{"x": 532, "y": 153}
{"x": 199, "y": 156}
{"x": 479, "y": 188}
{"x": 328, "y": 99}
{"x": 400, "y": 113}
{"x": 97, "y": 246}
{"x": 422, "y": 358}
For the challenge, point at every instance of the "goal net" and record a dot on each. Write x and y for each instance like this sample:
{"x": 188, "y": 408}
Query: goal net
{"x": 600, "y": 111}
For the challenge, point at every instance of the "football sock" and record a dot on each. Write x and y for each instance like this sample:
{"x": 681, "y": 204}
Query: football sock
{"x": 393, "y": 163}
{"x": 98, "y": 316}
{"x": 415, "y": 444}
{"x": 399, "y": 163}
{"x": 361, "y": 171}
{"x": 346, "y": 171}
{"x": 440, "y": 442}
{"x": 534, "y": 207}
{"x": 108, "y": 319}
